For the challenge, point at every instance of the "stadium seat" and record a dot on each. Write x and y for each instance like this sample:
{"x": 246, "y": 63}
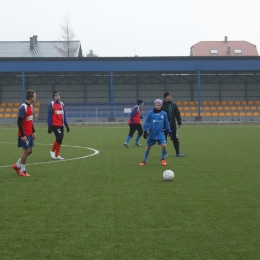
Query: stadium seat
{"x": 2, "y": 110}
{"x": 244, "y": 103}
{"x": 237, "y": 103}
{"x": 226, "y": 108}
{"x": 83, "y": 115}
{"x": 214, "y": 113}
{"x": 77, "y": 109}
{"x": 228, "y": 114}
{"x": 69, "y": 109}
{"x": 37, "y": 104}
{"x": 104, "y": 109}
{"x": 182, "y": 114}
{"x": 246, "y": 107}
{"x": 193, "y": 108}
{"x": 76, "y": 115}
{"x": 253, "y": 108}
{"x": 104, "y": 115}
{"x": 255, "y": 113}
{"x": 213, "y": 108}
{"x": 249, "y": 114}
{"x": 233, "y": 108}
{"x": 208, "y": 113}
{"x": 36, "y": 109}
{"x": 192, "y": 103}
{"x": 8, "y": 110}
{"x": 204, "y": 103}
{"x": 17, "y": 104}
{"x": 257, "y": 102}
{"x": 10, "y": 104}
{"x": 188, "y": 114}
{"x": 69, "y": 115}
{"x": 84, "y": 109}
{"x": 3, "y": 105}
{"x": 211, "y": 103}
{"x": 1, "y": 115}
{"x": 250, "y": 102}
{"x": 194, "y": 114}
{"x": 219, "y": 108}
{"x": 36, "y": 115}
{"x": 13, "y": 115}
{"x": 235, "y": 114}
{"x": 206, "y": 108}
{"x": 242, "y": 114}
{"x": 180, "y": 108}
{"x": 118, "y": 114}
{"x": 91, "y": 109}
{"x": 125, "y": 115}
{"x": 105, "y": 103}
{"x": 185, "y": 103}
{"x": 223, "y": 103}
{"x": 217, "y": 103}
{"x": 187, "y": 108}
{"x": 15, "y": 110}
{"x": 91, "y": 115}
{"x": 7, "y": 115}
{"x": 221, "y": 113}
{"x": 178, "y": 103}
{"x": 230, "y": 103}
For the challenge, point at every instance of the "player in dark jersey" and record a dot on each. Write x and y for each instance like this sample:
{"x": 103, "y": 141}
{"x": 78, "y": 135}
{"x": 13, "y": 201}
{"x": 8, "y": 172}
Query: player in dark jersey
{"x": 135, "y": 124}
{"x": 26, "y": 132}
{"x": 56, "y": 121}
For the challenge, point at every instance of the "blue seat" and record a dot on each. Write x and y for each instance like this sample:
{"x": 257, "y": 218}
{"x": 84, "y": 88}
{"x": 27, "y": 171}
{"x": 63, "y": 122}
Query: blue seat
{"x": 77, "y": 115}
{"x": 125, "y": 103}
{"x": 104, "y": 109}
{"x": 126, "y": 115}
{"x": 84, "y": 109}
{"x": 118, "y": 114}
{"x": 77, "y": 109}
{"x": 84, "y": 115}
{"x": 69, "y": 109}
{"x": 105, "y": 103}
{"x": 91, "y": 114}
{"x": 118, "y": 109}
{"x": 98, "y": 103}
{"x": 91, "y": 109}
{"x": 69, "y": 115}
{"x": 132, "y": 103}
{"x": 117, "y": 103}
{"x": 104, "y": 114}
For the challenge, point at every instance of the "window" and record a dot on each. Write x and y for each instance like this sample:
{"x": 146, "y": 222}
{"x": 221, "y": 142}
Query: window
{"x": 237, "y": 51}
{"x": 214, "y": 51}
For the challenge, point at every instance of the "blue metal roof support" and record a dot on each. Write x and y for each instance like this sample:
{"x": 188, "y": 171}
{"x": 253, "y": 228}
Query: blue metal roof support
{"x": 198, "y": 92}
{"x": 23, "y": 88}
{"x": 111, "y": 97}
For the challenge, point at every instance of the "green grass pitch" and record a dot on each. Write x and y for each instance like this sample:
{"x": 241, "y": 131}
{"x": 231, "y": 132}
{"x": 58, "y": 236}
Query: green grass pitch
{"x": 106, "y": 206}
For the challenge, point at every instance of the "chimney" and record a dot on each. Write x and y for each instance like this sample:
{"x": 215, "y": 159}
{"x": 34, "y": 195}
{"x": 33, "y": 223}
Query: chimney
{"x": 35, "y": 39}
{"x": 31, "y": 42}
{"x": 225, "y": 39}
{"x": 228, "y": 50}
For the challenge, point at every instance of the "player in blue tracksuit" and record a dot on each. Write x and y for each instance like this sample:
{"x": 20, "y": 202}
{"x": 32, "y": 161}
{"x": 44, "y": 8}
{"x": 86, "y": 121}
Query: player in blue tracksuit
{"x": 156, "y": 121}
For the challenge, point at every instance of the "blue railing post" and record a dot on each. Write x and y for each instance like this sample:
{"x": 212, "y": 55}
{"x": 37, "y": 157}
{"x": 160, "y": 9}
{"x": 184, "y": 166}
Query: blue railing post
{"x": 198, "y": 92}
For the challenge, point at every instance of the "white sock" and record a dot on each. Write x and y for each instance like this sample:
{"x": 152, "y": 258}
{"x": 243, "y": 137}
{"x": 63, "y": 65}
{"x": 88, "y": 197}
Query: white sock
{"x": 18, "y": 164}
{"x": 22, "y": 167}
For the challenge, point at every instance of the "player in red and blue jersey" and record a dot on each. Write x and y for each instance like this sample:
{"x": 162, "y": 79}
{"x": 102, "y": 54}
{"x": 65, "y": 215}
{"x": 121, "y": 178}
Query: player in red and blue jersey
{"x": 56, "y": 121}
{"x": 26, "y": 132}
{"x": 135, "y": 124}
{"x": 155, "y": 122}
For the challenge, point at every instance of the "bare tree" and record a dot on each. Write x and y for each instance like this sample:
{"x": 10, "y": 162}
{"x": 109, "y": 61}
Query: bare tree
{"x": 91, "y": 54}
{"x": 68, "y": 48}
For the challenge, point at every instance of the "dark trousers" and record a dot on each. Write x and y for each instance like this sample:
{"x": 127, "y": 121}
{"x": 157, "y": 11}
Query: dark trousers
{"x": 175, "y": 139}
{"x": 59, "y": 132}
{"x": 135, "y": 127}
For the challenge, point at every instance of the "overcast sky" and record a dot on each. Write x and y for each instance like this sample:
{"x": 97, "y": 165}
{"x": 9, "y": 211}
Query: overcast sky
{"x": 133, "y": 27}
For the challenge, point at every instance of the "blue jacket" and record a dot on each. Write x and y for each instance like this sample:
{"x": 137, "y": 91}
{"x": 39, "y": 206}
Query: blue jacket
{"x": 155, "y": 123}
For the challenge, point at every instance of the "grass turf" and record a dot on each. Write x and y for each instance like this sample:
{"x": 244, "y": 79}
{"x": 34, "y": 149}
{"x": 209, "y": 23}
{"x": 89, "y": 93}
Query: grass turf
{"x": 108, "y": 207}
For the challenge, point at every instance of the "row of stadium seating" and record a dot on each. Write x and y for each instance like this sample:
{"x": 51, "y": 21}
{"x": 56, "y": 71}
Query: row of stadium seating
{"x": 15, "y": 109}
{"x": 183, "y": 114}
{"x": 37, "y": 104}
{"x": 8, "y": 115}
{"x": 217, "y": 103}
{"x": 215, "y": 108}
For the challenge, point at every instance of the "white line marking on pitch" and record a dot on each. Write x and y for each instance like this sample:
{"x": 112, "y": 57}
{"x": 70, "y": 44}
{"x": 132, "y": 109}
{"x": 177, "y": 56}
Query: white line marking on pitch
{"x": 56, "y": 161}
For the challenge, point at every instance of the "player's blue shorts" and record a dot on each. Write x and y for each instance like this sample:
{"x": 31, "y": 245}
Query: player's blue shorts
{"x": 26, "y": 145}
{"x": 151, "y": 142}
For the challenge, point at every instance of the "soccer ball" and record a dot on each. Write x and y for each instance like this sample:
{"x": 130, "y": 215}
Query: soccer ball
{"x": 168, "y": 175}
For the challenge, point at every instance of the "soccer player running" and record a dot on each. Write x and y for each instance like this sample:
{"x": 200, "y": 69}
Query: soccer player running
{"x": 173, "y": 115}
{"x": 156, "y": 121}
{"x": 56, "y": 121}
{"x": 135, "y": 124}
{"x": 26, "y": 132}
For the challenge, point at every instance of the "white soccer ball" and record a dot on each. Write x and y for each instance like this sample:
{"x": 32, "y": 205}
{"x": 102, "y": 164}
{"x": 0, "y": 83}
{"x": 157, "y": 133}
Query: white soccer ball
{"x": 168, "y": 175}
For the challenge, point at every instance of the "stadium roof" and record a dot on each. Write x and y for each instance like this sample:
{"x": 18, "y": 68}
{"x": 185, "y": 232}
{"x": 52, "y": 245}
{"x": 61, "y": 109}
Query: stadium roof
{"x": 39, "y": 49}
